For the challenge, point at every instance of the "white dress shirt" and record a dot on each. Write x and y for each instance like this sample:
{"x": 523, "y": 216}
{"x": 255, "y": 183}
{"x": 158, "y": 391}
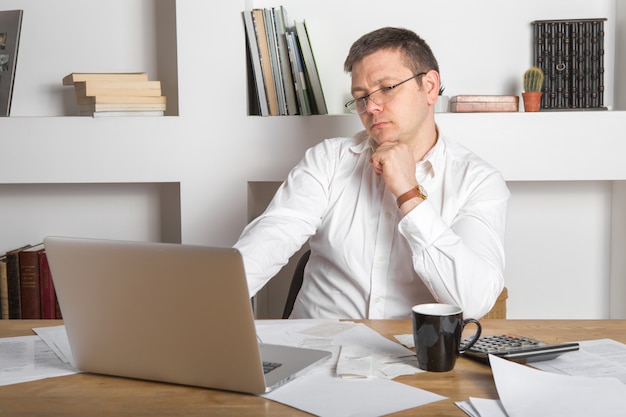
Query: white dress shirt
{"x": 367, "y": 261}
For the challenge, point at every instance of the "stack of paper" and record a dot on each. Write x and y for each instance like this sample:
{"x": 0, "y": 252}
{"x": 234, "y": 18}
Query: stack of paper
{"x": 354, "y": 386}
{"x": 525, "y": 391}
{"x": 29, "y": 358}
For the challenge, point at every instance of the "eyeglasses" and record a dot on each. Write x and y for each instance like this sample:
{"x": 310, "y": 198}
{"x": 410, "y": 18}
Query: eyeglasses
{"x": 379, "y": 97}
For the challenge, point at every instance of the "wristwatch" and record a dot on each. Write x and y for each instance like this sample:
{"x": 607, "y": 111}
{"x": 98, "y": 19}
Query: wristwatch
{"x": 417, "y": 191}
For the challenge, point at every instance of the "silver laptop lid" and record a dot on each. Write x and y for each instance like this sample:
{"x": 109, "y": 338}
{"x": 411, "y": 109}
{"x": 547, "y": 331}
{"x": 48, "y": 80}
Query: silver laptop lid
{"x": 164, "y": 312}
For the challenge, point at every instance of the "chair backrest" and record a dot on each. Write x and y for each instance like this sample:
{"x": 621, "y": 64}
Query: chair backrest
{"x": 296, "y": 283}
{"x": 498, "y": 311}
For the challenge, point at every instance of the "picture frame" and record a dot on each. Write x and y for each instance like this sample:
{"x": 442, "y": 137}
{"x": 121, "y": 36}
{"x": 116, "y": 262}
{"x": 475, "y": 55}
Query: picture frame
{"x": 10, "y": 27}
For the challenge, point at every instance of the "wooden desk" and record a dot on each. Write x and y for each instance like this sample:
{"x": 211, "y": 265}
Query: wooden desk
{"x": 95, "y": 395}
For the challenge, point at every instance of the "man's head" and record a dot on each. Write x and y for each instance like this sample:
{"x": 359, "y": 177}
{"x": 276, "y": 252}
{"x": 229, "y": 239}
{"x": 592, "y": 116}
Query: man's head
{"x": 417, "y": 54}
{"x": 395, "y": 83}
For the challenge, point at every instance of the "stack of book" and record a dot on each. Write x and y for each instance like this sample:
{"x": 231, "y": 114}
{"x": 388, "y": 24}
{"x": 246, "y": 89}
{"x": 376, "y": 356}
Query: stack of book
{"x": 26, "y": 286}
{"x": 284, "y": 75}
{"x": 116, "y": 94}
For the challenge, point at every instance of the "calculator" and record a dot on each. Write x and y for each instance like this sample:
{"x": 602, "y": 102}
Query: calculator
{"x": 516, "y": 348}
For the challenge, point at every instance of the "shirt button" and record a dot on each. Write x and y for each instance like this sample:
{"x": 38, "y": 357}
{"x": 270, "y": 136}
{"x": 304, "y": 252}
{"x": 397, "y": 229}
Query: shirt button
{"x": 387, "y": 215}
{"x": 377, "y": 300}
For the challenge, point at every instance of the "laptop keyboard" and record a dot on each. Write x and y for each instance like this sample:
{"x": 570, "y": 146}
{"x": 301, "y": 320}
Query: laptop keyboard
{"x": 270, "y": 366}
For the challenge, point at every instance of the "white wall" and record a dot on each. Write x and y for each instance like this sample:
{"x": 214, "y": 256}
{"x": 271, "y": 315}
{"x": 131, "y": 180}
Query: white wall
{"x": 148, "y": 211}
{"x": 563, "y": 198}
{"x": 558, "y": 249}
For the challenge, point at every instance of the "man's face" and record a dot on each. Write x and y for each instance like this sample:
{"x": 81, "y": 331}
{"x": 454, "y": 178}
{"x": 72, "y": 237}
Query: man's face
{"x": 402, "y": 118}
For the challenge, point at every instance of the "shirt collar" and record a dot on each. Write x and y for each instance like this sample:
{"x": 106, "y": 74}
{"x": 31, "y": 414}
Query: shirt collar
{"x": 430, "y": 164}
{"x": 362, "y": 143}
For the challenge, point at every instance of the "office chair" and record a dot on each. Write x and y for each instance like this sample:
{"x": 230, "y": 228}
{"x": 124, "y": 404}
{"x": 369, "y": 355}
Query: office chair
{"x": 296, "y": 283}
{"x": 498, "y": 311}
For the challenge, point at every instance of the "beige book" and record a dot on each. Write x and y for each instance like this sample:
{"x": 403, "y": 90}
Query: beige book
{"x": 121, "y": 100}
{"x": 117, "y": 88}
{"x": 104, "y": 76}
{"x": 90, "y": 109}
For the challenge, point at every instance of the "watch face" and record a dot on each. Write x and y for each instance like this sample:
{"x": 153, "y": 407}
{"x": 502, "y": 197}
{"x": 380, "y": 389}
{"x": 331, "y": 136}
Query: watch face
{"x": 422, "y": 190}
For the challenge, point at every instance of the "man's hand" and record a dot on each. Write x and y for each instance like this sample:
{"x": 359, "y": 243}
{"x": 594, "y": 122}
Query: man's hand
{"x": 395, "y": 162}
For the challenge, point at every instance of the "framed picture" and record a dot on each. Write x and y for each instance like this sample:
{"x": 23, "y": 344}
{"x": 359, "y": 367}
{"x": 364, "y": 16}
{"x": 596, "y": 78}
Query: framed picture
{"x": 10, "y": 25}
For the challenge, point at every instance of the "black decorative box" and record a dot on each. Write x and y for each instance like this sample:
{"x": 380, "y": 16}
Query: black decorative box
{"x": 571, "y": 54}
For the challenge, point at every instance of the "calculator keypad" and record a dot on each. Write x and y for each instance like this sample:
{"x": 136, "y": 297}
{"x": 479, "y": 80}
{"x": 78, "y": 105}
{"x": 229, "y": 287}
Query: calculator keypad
{"x": 504, "y": 343}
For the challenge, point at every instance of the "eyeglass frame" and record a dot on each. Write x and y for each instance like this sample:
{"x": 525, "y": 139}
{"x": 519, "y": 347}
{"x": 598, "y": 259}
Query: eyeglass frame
{"x": 369, "y": 96}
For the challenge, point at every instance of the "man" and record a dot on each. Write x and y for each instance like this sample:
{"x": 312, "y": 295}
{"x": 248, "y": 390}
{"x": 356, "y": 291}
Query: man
{"x": 397, "y": 215}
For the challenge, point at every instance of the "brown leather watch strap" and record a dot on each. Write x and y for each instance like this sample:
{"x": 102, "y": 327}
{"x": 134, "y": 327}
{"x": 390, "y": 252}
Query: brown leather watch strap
{"x": 412, "y": 193}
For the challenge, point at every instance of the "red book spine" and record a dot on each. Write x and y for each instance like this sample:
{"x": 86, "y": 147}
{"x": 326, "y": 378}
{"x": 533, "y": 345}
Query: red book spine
{"x": 29, "y": 284}
{"x": 46, "y": 289}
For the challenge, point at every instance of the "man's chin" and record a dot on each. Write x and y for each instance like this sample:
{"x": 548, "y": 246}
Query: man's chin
{"x": 384, "y": 139}
{"x": 383, "y": 134}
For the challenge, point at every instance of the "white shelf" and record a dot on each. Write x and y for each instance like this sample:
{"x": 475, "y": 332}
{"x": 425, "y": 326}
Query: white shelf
{"x": 85, "y": 149}
{"x": 546, "y": 146}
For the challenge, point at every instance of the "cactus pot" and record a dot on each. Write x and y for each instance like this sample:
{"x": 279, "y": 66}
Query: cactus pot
{"x": 532, "y": 100}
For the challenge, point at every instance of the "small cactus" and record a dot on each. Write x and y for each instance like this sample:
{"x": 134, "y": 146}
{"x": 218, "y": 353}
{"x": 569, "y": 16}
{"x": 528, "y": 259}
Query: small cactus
{"x": 533, "y": 79}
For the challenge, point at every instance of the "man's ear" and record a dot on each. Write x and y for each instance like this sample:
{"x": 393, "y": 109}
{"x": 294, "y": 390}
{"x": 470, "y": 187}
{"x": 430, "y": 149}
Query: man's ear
{"x": 430, "y": 84}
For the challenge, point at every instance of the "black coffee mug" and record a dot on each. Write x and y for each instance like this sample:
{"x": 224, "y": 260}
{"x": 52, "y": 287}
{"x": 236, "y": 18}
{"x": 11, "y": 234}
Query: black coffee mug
{"x": 437, "y": 332}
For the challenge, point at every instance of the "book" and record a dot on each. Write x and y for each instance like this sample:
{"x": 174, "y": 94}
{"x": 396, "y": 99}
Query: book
{"x": 10, "y": 28}
{"x": 282, "y": 24}
{"x": 47, "y": 294}
{"x": 128, "y": 113}
{"x": 13, "y": 282}
{"x": 255, "y": 63}
{"x": 92, "y": 109}
{"x": 4, "y": 296}
{"x": 70, "y": 79}
{"x": 29, "y": 282}
{"x": 92, "y": 104}
{"x": 311, "y": 68}
{"x": 258, "y": 18}
{"x": 297, "y": 68}
{"x": 117, "y": 88}
{"x": 121, "y": 100}
{"x": 270, "y": 31}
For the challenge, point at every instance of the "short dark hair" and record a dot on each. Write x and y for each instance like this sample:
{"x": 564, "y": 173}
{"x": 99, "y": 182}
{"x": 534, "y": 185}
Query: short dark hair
{"x": 417, "y": 54}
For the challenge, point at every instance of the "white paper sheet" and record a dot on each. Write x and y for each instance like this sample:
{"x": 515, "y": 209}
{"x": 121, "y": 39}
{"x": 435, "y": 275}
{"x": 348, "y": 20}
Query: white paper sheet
{"x": 602, "y": 357}
{"x": 28, "y": 358}
{"x": 324, "y": 394}
{"x": 56, "y": 339}
{"x": 525, "y": 391}
{"x": 481, "y": 407}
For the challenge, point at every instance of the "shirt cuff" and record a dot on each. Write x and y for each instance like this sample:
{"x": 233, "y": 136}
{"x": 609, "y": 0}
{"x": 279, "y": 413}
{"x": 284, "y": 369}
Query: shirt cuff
{"x": 422, "y": 226}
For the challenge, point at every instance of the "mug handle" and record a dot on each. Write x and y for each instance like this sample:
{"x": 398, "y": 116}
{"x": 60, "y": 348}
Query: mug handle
{"x": 474, "y": 338}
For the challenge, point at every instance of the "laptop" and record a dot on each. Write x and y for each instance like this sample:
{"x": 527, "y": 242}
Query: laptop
{"x": 166, "y": 312}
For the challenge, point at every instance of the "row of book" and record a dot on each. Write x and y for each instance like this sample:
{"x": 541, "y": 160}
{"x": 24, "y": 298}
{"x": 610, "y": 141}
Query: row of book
{"x": 26, "y": 286}
{"x": 116, "y": 94}
{"x": 282, "y": 66}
